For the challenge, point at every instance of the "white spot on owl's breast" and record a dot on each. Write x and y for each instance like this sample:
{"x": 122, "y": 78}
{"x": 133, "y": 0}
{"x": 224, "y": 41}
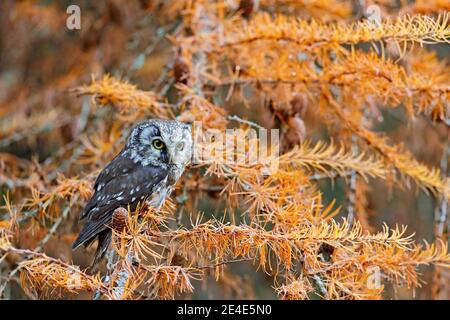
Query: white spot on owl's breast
{"x": 160, "y": 193}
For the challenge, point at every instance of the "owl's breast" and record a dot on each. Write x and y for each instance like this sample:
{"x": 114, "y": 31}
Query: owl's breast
{"x": 174, "y": 173}
{"x": 159, "y": 194}
{"x": 164, "y": 188}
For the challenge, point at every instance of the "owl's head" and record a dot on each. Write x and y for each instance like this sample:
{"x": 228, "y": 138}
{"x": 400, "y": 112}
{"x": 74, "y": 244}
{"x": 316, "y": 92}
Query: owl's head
{"x": 161, "y": 142}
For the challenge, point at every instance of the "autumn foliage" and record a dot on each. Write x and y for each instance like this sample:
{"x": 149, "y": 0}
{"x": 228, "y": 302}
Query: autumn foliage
{"x": 360, "y": 96}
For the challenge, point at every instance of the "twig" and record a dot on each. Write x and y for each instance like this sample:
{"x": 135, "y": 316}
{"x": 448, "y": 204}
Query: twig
{"x": 352, "y": 182}
{"x": 321, "y": 285}
{"x": 331, "y": 175}
{"x": 247, "y": 122}
{"x": 53, "y": 229}
{"x": 223, "y": 263}
{"x": 29, "y": 253}
{"x": 443, "y": 212}
{"x": 36, "y": 250}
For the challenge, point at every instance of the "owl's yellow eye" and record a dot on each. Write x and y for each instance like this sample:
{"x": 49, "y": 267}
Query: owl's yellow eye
{"x": 158, "y": 144}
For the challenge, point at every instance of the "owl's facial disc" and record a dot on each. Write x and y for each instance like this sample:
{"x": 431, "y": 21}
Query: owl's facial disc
{"x": 179, "y": 146}
{"x": 161, "y": 142}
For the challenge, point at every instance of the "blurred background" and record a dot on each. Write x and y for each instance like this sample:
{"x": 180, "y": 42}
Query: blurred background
{"x": 41, "y": 60}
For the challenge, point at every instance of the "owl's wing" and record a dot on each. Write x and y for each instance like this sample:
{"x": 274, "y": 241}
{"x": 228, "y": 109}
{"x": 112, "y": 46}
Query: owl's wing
{"x": 119, "y": 165}
{"x": 122, "y": 182}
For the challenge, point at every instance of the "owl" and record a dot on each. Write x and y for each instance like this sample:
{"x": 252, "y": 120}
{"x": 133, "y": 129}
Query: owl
{"x": 145, "y": 170}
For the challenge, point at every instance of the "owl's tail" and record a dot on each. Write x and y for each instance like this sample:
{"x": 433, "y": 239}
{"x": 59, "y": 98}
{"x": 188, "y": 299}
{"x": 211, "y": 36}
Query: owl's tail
{"x": 89, "y": 234}
{"x": 104, "y": 240}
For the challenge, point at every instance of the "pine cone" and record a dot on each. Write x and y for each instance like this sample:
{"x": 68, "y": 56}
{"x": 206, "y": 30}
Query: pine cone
{"x": 247, "y": 7}
{"x": 119, "y": 220}
{"x": 180, "y": 70}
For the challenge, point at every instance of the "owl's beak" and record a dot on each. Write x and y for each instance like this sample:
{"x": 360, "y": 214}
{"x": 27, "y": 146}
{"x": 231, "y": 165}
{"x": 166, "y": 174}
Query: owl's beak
{"x": 171, "y": 158}
{"x": 172, "y": 155}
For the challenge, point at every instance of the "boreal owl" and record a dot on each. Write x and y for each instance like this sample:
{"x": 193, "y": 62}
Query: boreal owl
{"x": 145, "y": 170}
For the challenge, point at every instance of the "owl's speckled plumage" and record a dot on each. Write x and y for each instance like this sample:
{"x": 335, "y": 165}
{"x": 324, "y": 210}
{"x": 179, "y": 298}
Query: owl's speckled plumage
{"x": 140, "y": 172}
